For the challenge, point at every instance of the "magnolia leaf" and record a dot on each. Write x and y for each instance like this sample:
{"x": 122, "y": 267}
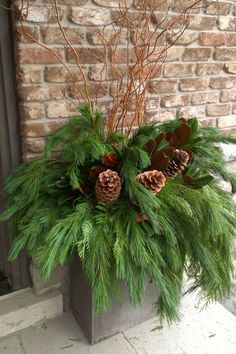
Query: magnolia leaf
{"x": 95, "y": 171}
{"x": 160, "y": 161}
{"x": 110, "y": 159}
{"x": 183, "y": 133}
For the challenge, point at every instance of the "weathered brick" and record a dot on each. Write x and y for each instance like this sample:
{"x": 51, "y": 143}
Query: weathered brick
{"x": 231, "y": 40}
{"x": 218, "y": 110}
{"x": 33, "y": 145}
{"x": 228, "y": 96}
{"x": 182, "y": 6}
{"x": 59, "y": 109}
{"x": 39, "y": 129}
{"x": 193, "y": 84}
{"x": 225, "y": 54}
{"x": 201, "y": 23}
{"x": 161, "y": 115}
{"x": 175, "y": 101}
{"x": 59, "y": 74}
{"x": 89, "y": 16}
{"x": 174, "y": 54}
{"x": 222, "y": 82}
{"x": 31, "y": 55}
{"x": 29, "y": 75}
{"x": 152, "y": 104}
{"x": 34, "y": 110}
{"x": 120, "y": 56}
{"x": 213, "y": 39}
{"x": 179, "y": 70}
{"x": 230, "y": 68}
{"x": 86, "y": 55}
{"x": 208, "y": 69}
{"x": 186, "y": 38}
{"x": 95, "y": 90}
{"x": 114, "y": 36}
{"x": 188, "y": 112}
{"x": 27, "y": 34}
{"x": 224, "y": 122}
{"x": 159, "y": 5}
{"x": 161, "y": 86}
{"x": 218, "y": 8}
{"x": 208, "y": 122}
{"x": 110, "y": 3}
{"x": 226, "y": 23}
{"x": 205, "y": 97}
{"x": 37, "y": 13}
{"x": 75, "y": 2}
{"x": 53, "y": 35}
{"x": 197, "y": 54}
{"x": 39, "y": 93}
{"x": 100, "y": 73}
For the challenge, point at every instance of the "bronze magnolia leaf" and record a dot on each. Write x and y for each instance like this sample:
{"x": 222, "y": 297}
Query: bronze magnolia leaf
{"x": 159, "y": 161}
{"x": 183, "y": 133}
{"x": 110, "y": 159}
{"x": 173, "y": 139}
{"x": 96, "y": 170}
{"x": 150, "y": 146}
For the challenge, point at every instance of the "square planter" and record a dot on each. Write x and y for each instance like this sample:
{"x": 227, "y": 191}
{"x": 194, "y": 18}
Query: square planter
{"x": 121, "y": 316}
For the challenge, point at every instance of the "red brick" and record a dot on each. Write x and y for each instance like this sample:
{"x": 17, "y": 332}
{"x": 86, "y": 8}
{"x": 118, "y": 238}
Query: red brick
{"x": 163, "y": 86}
{"x": 228, "y": 96}
{"x": 39, "y": 129}
{"x": 231, "y": 39}
{"x": 193, "y": 84}
{"x": 34, "y": 110}
{"x": 95, "y": 90}
{"x": 226, "y": 23}
{"x": 174, "y": 54}
{"x": 38, "y": 93}
{"x": 29, "y": 75}
{"x": 205, "y": 97}
{"x": 225, "y": 54}
{"x": 59, "y": 74}
{"x": 86, "y": 55}
{"x": 179, "y": 70}
{"x": 208, "y": 69}
{"x": 213, "y": 39}
{"x": 110, "y": 35}
{"x": 53, "y": 35}
{"x": 23, "y": 35}
{"x": 230, "y": 68}
{"x": 186, "y": 38}
{"x": 218, "y": 110}
{"x": 218, "y": 8}
{"x": 201, "y": 23}
{"x": 208, "y": 122}
{"x": 222, "y": 82}
{"x": 197, "y": 54}
{"x": 182, "y": 6}
{"x": 30, "y": 55}
{"x": 150, "y": 4}
{"x": 175, "y": 101}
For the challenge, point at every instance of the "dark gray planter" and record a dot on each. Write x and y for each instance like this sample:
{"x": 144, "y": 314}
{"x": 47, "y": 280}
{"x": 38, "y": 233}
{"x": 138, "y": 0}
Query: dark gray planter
{"x": 120, "y": 317}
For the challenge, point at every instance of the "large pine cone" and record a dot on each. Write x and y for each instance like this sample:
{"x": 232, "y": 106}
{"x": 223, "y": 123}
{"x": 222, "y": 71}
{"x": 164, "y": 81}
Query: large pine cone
{"x": 108, "y": 186}
{"x": 177, "y": 164}
{"x": 152, "y": 180}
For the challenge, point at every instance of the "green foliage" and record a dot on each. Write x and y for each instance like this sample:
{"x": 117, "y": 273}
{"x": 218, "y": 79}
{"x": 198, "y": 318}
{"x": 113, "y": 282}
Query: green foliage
{"x": 189, "y": 227}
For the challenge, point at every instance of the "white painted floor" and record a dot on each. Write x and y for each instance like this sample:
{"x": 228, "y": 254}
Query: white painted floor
{"x": 211, "y": 331}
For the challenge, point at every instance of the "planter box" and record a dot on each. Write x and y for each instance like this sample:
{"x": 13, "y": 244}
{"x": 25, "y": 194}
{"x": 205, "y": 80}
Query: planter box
{"x": 121, "y": 315}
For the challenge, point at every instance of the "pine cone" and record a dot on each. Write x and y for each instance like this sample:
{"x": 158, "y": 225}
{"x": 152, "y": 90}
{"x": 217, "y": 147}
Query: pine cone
{"x": 152, "y": 180}
{"x": 108, "y": 186}
{"x": 177, "y": 164}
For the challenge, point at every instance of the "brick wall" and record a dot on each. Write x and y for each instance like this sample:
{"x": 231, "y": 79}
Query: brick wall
{"x": 198, "y": 78}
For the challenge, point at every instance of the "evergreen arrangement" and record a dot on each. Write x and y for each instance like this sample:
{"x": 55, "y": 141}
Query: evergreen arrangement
{"x": 142, "y": 208}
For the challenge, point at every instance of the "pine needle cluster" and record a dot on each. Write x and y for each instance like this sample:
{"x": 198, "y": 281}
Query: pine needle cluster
{"x": 187, "y": 227}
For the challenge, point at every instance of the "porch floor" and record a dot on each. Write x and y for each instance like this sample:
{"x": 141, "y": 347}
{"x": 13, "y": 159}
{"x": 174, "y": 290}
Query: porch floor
{"x": 210, "y": 331}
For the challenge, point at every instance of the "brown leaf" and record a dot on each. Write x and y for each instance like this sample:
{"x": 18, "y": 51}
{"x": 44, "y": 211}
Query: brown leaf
{"x": 173, "y": 139}
{"x": 183, "y": 133}
{"x": 110, "y": 159}
{"x": 159, "y": 161}
{"x": 160, "y": 138}
{"x": 150, "y": 146}
{"x": 188, "y": 180}
{"x": 141, "y": 217}
{"x": 169, "y": 152}
{"x": 96, "y": 170}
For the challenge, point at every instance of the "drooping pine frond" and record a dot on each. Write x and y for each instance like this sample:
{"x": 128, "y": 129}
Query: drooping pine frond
{"x": 140, "y": 237}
